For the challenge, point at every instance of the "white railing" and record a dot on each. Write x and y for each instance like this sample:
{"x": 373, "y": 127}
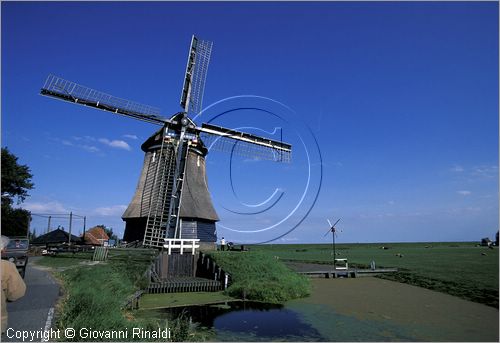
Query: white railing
{"x": 340, "y": 264}
{"x": 181, "y": 244}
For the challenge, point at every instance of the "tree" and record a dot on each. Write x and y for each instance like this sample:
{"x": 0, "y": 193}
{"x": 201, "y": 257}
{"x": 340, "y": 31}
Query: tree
{"x": 16, "y": 179}
{"x": 109, "y": 232}
{"x": 15, "y": 221}
{"x": 16, "y": 182}
{"x": 32, "y": 235}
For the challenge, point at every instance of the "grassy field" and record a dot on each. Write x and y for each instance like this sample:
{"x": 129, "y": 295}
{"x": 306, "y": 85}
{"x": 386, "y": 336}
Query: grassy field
{"x": 461, "y": 269}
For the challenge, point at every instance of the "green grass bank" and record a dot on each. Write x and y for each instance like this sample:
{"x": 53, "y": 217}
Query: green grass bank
{"x": 95, "y": 294}
{"x": 261, "y": 277}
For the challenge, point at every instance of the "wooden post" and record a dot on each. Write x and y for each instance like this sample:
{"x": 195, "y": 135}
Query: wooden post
{"x": 194, "y": 265}
{"x": 164, "y": 265}
{"x": 70, "y": 223}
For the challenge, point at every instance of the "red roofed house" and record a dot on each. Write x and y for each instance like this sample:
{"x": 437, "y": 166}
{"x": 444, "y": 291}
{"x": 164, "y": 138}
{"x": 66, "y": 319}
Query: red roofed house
{"x": 96, "y": 236}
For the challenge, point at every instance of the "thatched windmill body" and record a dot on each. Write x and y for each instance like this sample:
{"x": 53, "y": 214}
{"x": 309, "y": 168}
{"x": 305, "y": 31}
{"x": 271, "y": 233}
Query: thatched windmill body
{"x": 197, "y": 216}
{"x": 172, "y": 199}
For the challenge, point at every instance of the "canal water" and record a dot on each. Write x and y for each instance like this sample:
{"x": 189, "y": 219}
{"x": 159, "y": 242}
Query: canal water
{"x": 254, "y": 322}
{"x": 249, "y": 321}
{"x": 367, "y": 309}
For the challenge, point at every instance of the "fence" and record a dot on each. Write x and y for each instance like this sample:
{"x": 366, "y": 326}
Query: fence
{"x": 100, "y": 254}
{"x": 174, "y": 244}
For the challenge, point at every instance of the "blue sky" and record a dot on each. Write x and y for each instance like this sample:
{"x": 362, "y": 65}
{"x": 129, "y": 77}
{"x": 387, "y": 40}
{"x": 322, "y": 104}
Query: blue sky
{"x": 402, "y": 99}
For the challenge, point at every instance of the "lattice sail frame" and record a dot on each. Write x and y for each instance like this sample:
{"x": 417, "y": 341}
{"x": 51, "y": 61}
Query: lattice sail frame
{"x": 196, "y": 75}
{"x": 62, "y": 89}
{"x": 244, "y": 148}
{"x": 203, "y": 52}
{"x": 244, "y": 144}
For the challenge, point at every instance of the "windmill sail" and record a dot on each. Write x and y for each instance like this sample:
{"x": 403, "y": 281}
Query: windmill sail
{"x": 196, "y": 74}
{"x": 62, "y": 89}
{"x": 244, "y": 144}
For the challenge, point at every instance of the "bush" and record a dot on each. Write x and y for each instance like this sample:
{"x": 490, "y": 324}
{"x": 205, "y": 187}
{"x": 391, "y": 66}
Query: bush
{"x": 258, "y": 276}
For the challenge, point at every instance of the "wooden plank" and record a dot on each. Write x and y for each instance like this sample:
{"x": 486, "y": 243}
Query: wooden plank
{"x": 188, "y": 284}
{"x": 348, "y": 273}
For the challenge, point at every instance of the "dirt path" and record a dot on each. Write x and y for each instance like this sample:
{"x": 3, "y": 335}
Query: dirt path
{"x": 372, "y": 309}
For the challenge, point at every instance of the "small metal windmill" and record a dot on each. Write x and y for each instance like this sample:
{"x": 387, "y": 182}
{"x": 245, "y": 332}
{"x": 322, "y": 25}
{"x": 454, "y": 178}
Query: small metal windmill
{"x": 171, "y": 199}
{"x": 333, "y": 230}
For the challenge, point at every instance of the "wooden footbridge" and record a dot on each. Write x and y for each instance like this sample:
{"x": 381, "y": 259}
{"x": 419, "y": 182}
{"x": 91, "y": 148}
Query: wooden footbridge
{"x": 340, "y": 269}
{"x": 352, "y": 272}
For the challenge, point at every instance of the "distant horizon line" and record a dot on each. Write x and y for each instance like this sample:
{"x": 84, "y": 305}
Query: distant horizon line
{"x": 381, "y": 242}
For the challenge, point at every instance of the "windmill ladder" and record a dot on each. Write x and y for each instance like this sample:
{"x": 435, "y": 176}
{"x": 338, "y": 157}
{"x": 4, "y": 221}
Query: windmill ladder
{"x": 166, "y": 188}
{"x": 159, "y": 188}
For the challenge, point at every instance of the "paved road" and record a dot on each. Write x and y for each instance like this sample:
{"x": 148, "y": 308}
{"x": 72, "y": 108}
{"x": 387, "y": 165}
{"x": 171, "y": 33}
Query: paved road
{"x": 34, "y": 311}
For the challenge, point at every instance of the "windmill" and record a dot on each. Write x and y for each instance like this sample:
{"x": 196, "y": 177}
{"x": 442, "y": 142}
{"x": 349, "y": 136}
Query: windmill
{"x": 171, "y": 199}
{"x": 333, "y": 230}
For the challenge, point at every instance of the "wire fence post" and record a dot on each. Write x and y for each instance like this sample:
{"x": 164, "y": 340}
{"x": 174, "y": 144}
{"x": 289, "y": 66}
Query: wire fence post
{"x": 84, "y": 227}
{"x": 46, "y": 227}
{"x": 70, "y": 223}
